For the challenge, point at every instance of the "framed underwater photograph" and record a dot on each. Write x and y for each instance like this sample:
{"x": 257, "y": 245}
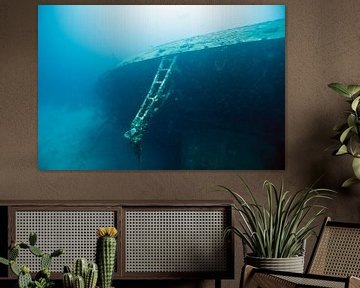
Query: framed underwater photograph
{"x": 161, "y": 87}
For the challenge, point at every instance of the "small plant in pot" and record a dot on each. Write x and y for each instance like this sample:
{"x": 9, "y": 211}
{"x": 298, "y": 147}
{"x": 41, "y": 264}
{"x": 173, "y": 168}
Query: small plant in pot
{"x": 276, "y": 233}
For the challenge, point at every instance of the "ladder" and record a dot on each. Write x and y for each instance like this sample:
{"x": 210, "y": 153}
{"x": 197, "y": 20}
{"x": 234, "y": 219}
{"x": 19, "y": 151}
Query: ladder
{"x": 155, "y": 98}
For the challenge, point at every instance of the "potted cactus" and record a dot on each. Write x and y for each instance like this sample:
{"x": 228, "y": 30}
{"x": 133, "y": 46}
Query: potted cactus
{"x": 106, "y": 254}
{"x": 85, "y": 275}
{"x": 42, "y": 278}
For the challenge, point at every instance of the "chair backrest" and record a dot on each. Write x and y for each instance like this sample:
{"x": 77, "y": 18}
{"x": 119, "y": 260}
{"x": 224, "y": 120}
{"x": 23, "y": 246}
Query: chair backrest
{"x": 337, "y": 251}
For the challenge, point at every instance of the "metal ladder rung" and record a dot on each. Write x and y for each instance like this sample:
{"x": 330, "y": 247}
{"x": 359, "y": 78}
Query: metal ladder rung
{"x": 156, "y": 96}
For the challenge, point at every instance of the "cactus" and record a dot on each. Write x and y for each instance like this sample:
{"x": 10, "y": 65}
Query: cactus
{"x": 13, "y": 253}
{"x": 89, "y": 272}
{"x": 32, "y": 238}
{"x": 42, "y": 278}
{"x": 79, "y": 282}
{"x": 91, "y": 276}
{"x": 36, "y": 251}
{"x": 80, "y": 268}
{"x": 24, "y": 280}
{"x": 14, "y": 268}
{"x": 44, "y": 273}
{"x": 45, "y": 261}
{"x": 106, "y": 254}
{"x": 24, "y": 245}
{"x": 68, "y": 280}
{"x": 57, "y": 253}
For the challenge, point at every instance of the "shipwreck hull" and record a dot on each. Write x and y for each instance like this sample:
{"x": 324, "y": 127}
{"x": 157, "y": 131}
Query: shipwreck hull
{"x": 225, "y": 110}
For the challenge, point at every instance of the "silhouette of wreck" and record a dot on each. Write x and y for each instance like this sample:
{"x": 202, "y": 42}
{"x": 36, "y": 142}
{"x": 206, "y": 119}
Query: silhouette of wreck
{"x": 213, "y": 101}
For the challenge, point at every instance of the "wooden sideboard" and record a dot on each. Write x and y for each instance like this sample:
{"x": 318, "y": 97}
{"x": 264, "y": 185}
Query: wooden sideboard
{"x": 157, "y": 240}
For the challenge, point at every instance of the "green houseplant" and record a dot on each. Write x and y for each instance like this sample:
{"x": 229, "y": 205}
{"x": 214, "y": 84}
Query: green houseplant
{"x": 348, "y": 132}
{"x": 279, "y": 229}
{"x": 42, "y": 278}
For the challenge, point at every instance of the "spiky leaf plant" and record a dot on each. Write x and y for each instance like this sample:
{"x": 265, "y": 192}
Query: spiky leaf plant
{"x": 279, "y": 229}
{"x": 348, "y": 133}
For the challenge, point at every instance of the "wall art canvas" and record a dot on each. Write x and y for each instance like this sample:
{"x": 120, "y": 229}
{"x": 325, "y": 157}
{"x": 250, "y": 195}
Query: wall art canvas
{"x": 161, "y": 87}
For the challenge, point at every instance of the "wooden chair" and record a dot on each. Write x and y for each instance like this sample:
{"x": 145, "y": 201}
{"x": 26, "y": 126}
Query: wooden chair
{"x": 334, "y": 263}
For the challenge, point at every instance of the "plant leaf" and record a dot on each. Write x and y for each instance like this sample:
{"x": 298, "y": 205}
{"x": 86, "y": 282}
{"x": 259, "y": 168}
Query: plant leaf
{"x": 351, "y": 121}
{"x": 340, "y": 88}
{"x": 4, "y": 261}
{"x": 279, "y": 228}
{"x": 349, "y": 182}
{"x": 355, "y": 103}
{"x": 342, "y": 150}
{"x": 345, "y": 134}
{"x": 14, "y": 268}
{"x": 354, "y": 145}
{"x": 353, "y": 89}
{"x": 356, "y": 167}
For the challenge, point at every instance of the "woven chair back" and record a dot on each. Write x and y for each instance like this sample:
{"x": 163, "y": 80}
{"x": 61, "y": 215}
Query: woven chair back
{"x": 337, "y": 252}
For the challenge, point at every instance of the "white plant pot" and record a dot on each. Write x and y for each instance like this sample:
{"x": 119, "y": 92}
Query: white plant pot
{"x": 291, "y": 264}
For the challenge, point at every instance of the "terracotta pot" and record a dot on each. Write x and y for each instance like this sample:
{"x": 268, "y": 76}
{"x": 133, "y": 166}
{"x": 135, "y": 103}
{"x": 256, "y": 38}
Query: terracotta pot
{"x": 291, "y": 264}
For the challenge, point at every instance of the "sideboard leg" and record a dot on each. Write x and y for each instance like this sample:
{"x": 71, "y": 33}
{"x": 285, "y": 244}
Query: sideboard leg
{"x": 217, "y": 283}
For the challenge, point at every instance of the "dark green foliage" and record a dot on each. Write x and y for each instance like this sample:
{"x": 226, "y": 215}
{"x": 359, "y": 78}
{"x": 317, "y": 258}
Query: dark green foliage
{"x": 348, "y": 133}
{"x": 42, "y": 283}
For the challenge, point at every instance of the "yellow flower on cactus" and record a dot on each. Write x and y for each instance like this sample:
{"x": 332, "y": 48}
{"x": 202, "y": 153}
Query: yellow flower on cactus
{"x": 101, "y": 231}
{"x": 25, "y": 269}
{"x": 112, "y": 231}
{"x": 106, "y": 231}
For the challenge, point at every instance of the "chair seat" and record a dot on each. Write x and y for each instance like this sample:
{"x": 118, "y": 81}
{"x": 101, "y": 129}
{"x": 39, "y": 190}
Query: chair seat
{"x": 268, "y": 279}
{"x": 315, "y": 282}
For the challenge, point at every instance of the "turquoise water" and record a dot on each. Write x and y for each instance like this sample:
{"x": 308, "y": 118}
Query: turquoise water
{"x": 86, "y": 103}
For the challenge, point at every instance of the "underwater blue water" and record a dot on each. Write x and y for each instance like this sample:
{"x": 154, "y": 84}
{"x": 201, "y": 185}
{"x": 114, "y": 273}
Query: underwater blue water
{"x": 78, "y": 44}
